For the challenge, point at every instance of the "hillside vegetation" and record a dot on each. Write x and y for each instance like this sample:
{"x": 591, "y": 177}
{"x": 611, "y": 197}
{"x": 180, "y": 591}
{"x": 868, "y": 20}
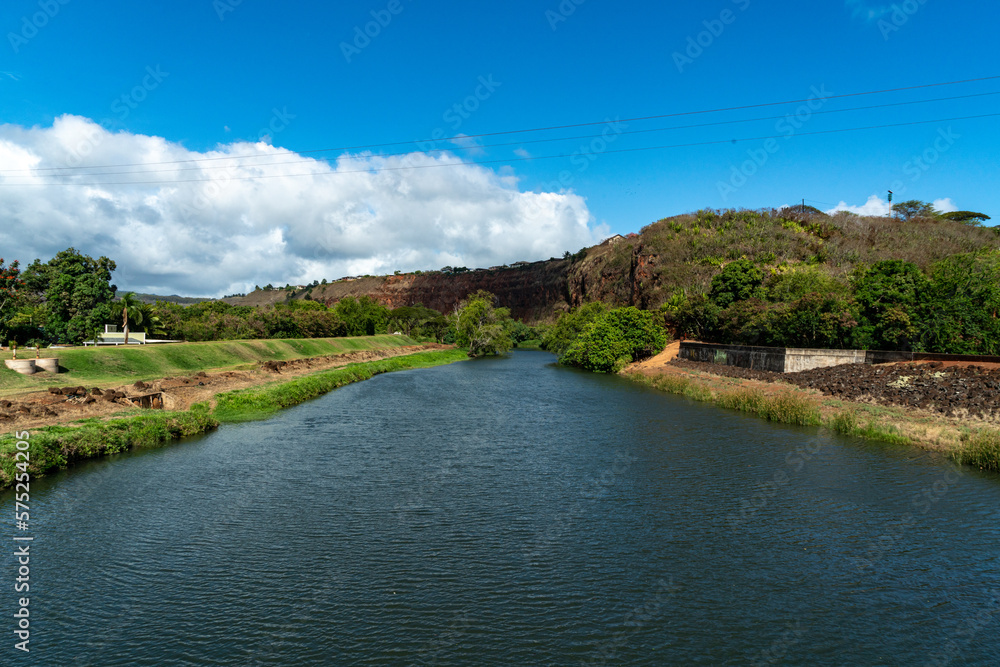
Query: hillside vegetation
{"x": 685, "y": 252}
{"x": 776, "y": 278}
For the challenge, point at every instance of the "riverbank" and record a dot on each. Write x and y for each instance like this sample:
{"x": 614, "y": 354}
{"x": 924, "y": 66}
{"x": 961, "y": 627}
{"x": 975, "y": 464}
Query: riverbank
{"x": 113, "y": 365}
{"x": 58, "y": 446}
{"x": 105, "y": 385}
{"x": 967, "y": 438}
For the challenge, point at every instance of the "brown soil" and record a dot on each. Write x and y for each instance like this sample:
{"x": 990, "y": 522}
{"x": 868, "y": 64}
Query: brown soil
{"x": 951, "y": 390}
{"x": 35, "y": 409}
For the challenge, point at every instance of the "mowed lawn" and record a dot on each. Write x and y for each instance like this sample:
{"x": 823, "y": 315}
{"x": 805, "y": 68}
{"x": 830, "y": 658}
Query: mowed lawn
{"x": 112, "y": 365}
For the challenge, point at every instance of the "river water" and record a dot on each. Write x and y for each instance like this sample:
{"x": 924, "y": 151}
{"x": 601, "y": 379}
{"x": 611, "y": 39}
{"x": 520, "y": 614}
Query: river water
{"x": 513, "y": 512}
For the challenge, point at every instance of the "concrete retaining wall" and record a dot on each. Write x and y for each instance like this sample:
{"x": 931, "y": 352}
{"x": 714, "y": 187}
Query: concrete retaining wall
{"x": 803, "y": 359}
{"x": 50, "y": 365}
{"x": 745, "y": 356}
{"x": 22, "y": 366}
{"x": 791, "y": 360}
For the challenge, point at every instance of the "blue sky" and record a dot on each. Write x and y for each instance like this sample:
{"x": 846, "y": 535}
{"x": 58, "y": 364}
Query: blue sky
{"x": 136, "y": 83}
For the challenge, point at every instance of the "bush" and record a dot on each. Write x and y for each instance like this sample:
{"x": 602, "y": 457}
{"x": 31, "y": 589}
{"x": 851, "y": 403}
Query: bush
{"x": 615, "y": 339}
{"x": 570, "y": 325}
{"x": 738, "y": 281}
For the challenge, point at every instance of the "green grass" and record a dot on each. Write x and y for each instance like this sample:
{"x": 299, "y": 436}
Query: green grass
{"x": 117, "y": 365}
{"x": 846, "y": 422}
{"x": 56, "y": 447}
{"x": 982, "y": 450}
{"x": 784, "y": 408}
{"x": 262, "y": 402}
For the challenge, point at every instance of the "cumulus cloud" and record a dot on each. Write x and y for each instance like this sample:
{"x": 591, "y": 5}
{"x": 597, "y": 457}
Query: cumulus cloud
{"x": 945, "y": 205}
{"x": 221, "y": 221}
{"x": 875, "y": 206}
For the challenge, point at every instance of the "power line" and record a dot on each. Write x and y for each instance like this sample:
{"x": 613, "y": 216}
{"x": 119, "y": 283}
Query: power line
{"x": 513, "y": 143}
{"x": 541, "y": 129}
{"x": 543, "y": 157}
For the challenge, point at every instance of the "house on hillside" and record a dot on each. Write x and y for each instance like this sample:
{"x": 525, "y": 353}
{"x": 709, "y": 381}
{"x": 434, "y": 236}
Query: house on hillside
{"x": 611, "y": 240}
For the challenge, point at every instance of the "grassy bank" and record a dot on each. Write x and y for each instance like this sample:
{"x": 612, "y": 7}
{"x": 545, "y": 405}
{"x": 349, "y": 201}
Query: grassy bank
{"x": 118, "y": 365}
{"x": 982, "y": 450}
{"x": 56, "y": 447}
{"x": 979, "y": 448}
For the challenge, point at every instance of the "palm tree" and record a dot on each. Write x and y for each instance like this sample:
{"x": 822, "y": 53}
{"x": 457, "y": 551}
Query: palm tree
{"x": 131, "y": 307}
{"x": 151, "y": 322}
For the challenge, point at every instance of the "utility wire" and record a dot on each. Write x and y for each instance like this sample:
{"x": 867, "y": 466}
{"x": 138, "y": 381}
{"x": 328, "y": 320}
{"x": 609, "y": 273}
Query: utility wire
{"x": 545, "y": 129}
{"x": 543, "y": 157}
{"x": 509, "y": 143}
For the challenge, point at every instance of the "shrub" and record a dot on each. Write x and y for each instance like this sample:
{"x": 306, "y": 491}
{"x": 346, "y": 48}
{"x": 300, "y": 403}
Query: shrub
{"x": 612, "y": 341}
{"x": 570, "y": 325}
{"x": 738, "y": 281}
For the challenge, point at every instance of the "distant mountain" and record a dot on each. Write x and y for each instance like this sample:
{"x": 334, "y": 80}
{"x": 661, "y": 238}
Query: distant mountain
{"x": 173, "y": 298}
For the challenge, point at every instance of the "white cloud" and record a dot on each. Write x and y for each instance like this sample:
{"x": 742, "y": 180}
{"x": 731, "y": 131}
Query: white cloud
{"x": 875, "y": 206}
{"x": 945, "y": 205}
{"x": 867, "y": 11}
{"x": 203, "y": 228}
{"x": 521, "y": 152}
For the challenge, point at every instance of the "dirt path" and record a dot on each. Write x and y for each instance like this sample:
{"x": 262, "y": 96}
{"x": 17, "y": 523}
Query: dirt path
{"x": 650, "y": 365}
{"x": 36, "y": 409}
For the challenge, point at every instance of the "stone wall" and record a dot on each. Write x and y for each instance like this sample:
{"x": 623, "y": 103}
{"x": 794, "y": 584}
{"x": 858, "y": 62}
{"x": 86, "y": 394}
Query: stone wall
{"x": 791, "y": 360}
{"x": 745, "y": 356}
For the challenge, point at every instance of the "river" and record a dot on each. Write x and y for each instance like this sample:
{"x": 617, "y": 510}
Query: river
{"x": 513, "y": 512}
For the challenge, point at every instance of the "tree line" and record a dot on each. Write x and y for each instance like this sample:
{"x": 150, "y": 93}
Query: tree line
{"x": 71, "y": 298}
{"x": 952, "y": 307}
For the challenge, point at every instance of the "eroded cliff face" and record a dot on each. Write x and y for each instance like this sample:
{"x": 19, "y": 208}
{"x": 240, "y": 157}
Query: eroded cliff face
{"x": 532, "y": 291}
{"x": 620, "y": 274}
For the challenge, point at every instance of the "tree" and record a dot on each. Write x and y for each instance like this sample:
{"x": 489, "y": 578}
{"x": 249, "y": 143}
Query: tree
{"x": 26, "y": 324}
{"x": 962, "y": 305}
{"x": 417, "y": 320}
{"x": 151, "y": 322}
{"x": 695, "y": 317}
{"x": 615, "y": 339}
{"x": 10, "y": 293}
{"x": 890, "y": 296}
{"x": 76, "y": 290}
{"x": 482, "y": 327}
{"x": 361, "y": 317}
{"x": 966, "y": 217}
{"x": 914, "y": 208}
{"x": 130, "y": 307}
{"x": 739, "y": 280}
{"x": 570, "y": 325}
